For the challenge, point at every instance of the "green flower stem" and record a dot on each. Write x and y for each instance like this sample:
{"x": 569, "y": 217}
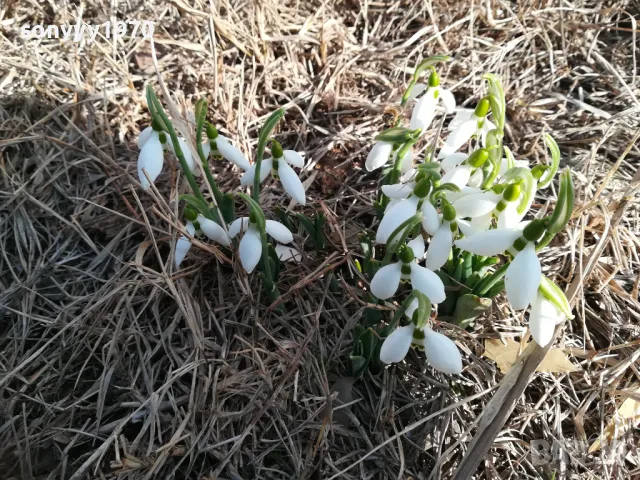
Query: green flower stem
{"x": 176, "y": 146}
{"x": 201, "y": 112}
{"x": 268, "y": 127}
{"x": 398, "y": 315}
{"x": 484, "y": 285}
{"x": 399, "y": 235}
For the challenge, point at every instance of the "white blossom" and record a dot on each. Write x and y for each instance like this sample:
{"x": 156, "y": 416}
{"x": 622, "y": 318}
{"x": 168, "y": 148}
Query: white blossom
{"x": 288, "y": 177}
{"x": 543, "y": 319}
{"x": 378, "y": 156}
{"x": 250, "y": 249}
{"x": 183, "y": 244}
{"x": 151, "y": 158}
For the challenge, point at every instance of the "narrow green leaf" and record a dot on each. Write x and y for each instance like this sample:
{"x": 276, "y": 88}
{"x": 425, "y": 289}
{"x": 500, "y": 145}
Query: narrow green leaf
{"x": 555, "y": 295}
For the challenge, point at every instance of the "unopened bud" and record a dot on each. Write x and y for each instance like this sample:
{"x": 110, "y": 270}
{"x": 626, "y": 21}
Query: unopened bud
{"x": 482, "y": 108}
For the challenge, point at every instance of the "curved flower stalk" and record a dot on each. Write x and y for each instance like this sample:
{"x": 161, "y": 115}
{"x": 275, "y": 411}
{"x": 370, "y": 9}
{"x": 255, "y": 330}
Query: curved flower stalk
{"x": 280, "y": 167}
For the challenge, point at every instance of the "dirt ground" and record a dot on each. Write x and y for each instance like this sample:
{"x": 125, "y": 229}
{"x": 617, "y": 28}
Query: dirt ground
{"x": 114, "y": 365}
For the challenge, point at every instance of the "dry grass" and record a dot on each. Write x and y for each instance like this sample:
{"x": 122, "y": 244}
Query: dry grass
{"x": 115, "y": 366}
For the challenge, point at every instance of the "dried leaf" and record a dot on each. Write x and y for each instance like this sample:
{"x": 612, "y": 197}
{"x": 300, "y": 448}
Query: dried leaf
{"x": 626, "y": 417}
{"x": 505, "y": 355}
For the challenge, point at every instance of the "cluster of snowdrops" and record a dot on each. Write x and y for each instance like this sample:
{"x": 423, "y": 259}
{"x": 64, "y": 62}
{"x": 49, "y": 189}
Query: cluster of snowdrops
{"x": 462, "y": 205}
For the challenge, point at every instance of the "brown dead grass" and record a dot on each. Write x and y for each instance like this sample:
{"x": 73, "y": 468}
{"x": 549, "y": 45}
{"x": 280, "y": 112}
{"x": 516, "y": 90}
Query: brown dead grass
{"x": 115, "y": 366}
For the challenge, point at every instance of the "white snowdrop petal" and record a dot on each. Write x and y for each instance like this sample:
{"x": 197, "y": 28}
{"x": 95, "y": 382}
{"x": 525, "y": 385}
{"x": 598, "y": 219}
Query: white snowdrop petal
{"x": 458, "y": 137}
{"x": 482, "y": 223}
{"x": 288, "y": 254}
{"x": 396, "y": 346}
{"x": 476, "y": 179}
{"x": 453, "y": 196}
{"x": 489, "y": 243}
{"x": 391, "y": 203}
{"x": 293, "y": 158}
{"x": 424, "y": 111}
{"x": 397, "y": 190}
{"x": 238, "y": 225}
{"x": 476, "y": 205}
{"x": 441, "y": 352}
{"x": 413, "y": 306}
{"x": 183, "y": 245}
{"x": 206, "y": 148}
{"x": 523, "y": 277}
{"x": 465, "y": 227}
{"x": 416, "y": 91}
{"x": 418, "y": 247}
{"x": 144, "y": 136}
{"x": 459, "y": 176}
{"x": 213, "y": 231}
{"x": 440, "y": 247}
{"x": 151, "y": 160}
{"x": 408, "y": 175}
{"x": 231, "y": 153}
{"x": 427, "y": 282}
{"x": 265, "y": 169}
{"x": 509, "y": 217}
{"x": 431, "y": 221}
{"x": 395, "y": 216}
{"x": 378, "y": 156}
{"x": 291, "y": 182}
{"x": 448, "y": 100}
{"x": 406, "y": 163}
{"x": 386, "y": 281}
{"x": 278, "y": 231}
{"x": 461, "y": 116}
{"x": 543, "y": 319}
{"x": 453, "y": 161}
{"x": 250, "y": 249}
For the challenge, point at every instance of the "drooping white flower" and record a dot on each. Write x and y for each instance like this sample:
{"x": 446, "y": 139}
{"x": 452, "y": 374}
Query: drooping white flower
{"x": 230, "y": 153}
{"x": 543, "y": 319}
{"x": 490, "y": 242}
{"x": 395, "y": 216}
{"x": 378, "y": 156}
{"x": 466, "y": 124}
{"x": 523, "y": 277}
{"x": 213, "y": 231}
{"x": 440, "y": 247}
{"x": 280, "y": 167}
{"x": 458, "y": 176}
{"x": 151, "y": 158}
{"x": 250, "y": 248}
{"x": 387, "y": 280}
{"x": 476, "y": 205}
{"x": 183, "y": 244}
{"x": 425, "y": 109}
{"x": 287, "y": 254}
{"x": 441, "y": 352}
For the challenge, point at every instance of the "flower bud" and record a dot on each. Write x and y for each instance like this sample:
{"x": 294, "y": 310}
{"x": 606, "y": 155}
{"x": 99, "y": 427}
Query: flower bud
{"x": 482, "y": 108}
{"x": 478, "y": 158}
{"x": 448, "y": 212}
{"x": 190, "y": 213}
{"x": 535, "y": 229}
{"x": 276, "y": 149}
{"x": 422, "y": 188}
{"x": 212, "y": 133}
{"x": 512, "y": 192}
{"x": 406, "y": 254}
{"x": 434, "y": 79}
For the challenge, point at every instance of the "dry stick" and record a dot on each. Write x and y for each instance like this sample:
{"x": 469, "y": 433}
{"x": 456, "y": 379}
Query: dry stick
{"x": 517, "y": 379}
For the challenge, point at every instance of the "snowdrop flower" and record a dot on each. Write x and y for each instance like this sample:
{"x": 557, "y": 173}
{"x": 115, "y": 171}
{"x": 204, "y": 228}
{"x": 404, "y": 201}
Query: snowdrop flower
{"x": 280, "y": 167}
{"x": 224, "y": 148}
{"x": 425, "y": 108}
{"x": 213, "y": 231}
{"x": 250, "y": 249}
{"x": 543, "y": 319}
{"x": 183, "y": 244}
{"x": 466, "y": 125}
{"x": 524, "y": 273}
{"x": 151, "y": 158}
{"x": 387, "y": 280}
{"x": 378, "y": 156}
{"x": 508, "y": 215}
{"x": 441, "y": 352}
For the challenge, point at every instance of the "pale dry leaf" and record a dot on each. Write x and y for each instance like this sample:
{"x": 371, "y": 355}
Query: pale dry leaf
{"x": 506, "y": 354}
{"x": 626, "y": 417}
